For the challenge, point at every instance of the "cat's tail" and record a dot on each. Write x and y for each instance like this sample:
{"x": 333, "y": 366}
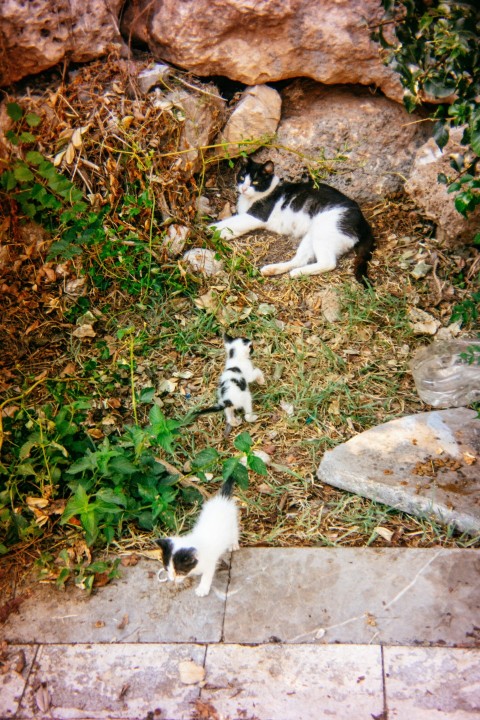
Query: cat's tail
{"x": 363, "y": 250}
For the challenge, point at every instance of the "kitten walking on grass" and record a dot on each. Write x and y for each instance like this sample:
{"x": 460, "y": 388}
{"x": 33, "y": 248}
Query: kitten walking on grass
{"x": 234, "y": 394}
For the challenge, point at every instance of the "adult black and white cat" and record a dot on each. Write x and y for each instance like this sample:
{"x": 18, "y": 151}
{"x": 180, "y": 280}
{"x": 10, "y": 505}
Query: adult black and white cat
{"x": 197, "y": 553}
{"x": 233, "y": 390}
{"x": 327, "y": 222}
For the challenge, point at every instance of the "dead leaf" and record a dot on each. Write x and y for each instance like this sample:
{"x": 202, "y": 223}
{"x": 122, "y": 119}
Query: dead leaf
{"x": 384, "y": 532}
{"x": 123, "y": 622}
{"x": 69, "y": 369}
{"x": 190, "y": 672}
{"x": 469, "y": 459}
{"x": 209, "y": 301}
{"x": 99, "y": 624}
{"x": 42, "y": 698}
{"x": 129, "y": 560}
{"x": 331, "y": 306}
{"x": 77, "y": 141}
{"x": 84, "y": 331}
{"x": 70, "y": 154}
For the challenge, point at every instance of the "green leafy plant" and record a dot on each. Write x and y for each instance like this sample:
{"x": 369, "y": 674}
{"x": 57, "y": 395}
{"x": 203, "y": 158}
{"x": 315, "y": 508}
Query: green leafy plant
{"x": 437, "y": 56}
{"x": 42, "y": 192}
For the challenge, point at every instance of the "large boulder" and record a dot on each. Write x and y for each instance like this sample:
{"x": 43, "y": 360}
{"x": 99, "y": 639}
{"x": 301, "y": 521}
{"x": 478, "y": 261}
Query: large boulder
{"x": 433, "y": 198}
{"x": 365, "y": 140}
{"x": 36, "y": 35}
{"x": 259, "y": 42}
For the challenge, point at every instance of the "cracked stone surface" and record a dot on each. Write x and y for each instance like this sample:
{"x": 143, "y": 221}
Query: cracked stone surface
{"x": 297, "y": 681}
{"x": 432, "y": 683}
{"x": 355, "y": 595}
{"x": 134, "y": 608}
{"x": 426, "y": 464}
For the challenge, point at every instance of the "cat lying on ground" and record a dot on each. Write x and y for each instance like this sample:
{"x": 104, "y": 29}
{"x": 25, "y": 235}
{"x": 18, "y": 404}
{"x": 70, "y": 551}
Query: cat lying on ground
{"x": 197, "y": 553}
{"x": 233, "y": 392}
{"x": 327, "y": 222}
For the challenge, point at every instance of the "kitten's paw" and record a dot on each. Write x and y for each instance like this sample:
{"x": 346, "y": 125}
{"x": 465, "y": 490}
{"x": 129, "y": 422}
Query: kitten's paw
{"x": 234, "y": 547}
{"x": 260, "y": 378}
{"x": 250, "y": 417}
{"x": 202, "y": 590}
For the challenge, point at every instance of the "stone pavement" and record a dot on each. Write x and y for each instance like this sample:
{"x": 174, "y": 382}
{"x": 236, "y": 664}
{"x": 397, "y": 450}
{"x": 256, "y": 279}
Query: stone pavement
{"x": 285, "y": 634}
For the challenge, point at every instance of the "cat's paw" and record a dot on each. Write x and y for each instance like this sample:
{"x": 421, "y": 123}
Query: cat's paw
{"x": 251, "y": 417}
{"x": 268, "y": 270}
{"x": 260, "y": 378}
{"x": 297, "y": 272}
{"x": 202, "y": 590}
{"x": 234, "y": 547}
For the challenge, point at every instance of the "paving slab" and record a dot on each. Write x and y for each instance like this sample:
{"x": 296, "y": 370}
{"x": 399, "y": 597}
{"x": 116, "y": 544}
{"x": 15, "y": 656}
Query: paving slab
{"x": 134, "y": 608}
{"x": 296, "y": 682}
{"x": 426, "y": 464}
{"x": 112, "y": 681}
{"x": 15, "y": 666}
{"x": 354, "y": 595}
{"x": 432, "y": 683}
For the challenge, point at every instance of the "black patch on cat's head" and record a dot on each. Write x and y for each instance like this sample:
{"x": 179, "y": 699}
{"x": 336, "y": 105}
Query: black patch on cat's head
{"x": 166, "y": 547}
{"x": 231, "y": 353}
{"x": 184, "y": 560}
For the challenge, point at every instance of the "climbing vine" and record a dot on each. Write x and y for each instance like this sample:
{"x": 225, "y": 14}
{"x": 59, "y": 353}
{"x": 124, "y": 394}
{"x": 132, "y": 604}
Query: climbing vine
{"x": 436, "y": 52}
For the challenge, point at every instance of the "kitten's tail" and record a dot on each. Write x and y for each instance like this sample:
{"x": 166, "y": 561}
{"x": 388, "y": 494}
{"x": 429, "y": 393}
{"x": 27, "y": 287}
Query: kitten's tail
{"x": 226, "y": 490}
{"x": 211, "y": 409}
{"x": 364, "y": 249}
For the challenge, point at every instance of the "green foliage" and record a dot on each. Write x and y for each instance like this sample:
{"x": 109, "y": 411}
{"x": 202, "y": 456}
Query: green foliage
{"x": 438, "y": 57}
{"x": 107, "y": 484}
{"x": 42, "y": 192}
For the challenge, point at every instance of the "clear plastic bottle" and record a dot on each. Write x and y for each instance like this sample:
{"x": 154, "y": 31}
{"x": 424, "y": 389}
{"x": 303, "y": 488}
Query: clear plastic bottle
{"x": 445, "y": 379}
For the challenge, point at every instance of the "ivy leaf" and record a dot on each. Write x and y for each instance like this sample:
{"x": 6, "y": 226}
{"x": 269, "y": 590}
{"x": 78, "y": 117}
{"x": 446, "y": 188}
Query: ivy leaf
{"x": 243, "y": 442}
{"x": 32, "y": 119}
{"x": 440, "y": 134}
{"x": 205, "y": 458}
{"x": 257, "y": 465}
{"x": 14, "y": 111}
{"x": 23, "y": 173}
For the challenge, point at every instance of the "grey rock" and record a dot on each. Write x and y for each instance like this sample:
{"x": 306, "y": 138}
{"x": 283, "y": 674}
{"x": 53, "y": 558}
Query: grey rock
{"x": 368, "y": 142}
{"x": 425, "y": 464}
{"x": 254, "y": 120}
{"x": 152, "y": 76}
{"x": 203, "y": 260}
{"x": 433, "y": 198}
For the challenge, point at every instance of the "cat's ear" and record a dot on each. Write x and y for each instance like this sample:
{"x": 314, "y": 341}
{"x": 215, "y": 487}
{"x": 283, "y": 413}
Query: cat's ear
{"x": 268, "y": 167}
{"x": 227, "y": 339}
{"x": 166, "y": 546}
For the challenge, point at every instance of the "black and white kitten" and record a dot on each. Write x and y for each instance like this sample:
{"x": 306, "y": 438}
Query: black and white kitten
{"x": 233, "y": 391}
{"x": 327, "y": 222}
{"x": 197, "y": 553}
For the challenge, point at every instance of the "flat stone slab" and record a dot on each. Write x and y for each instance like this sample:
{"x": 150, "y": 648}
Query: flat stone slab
{"x": 426, "y": 464}
{"x": 432, "y": 683}
{"x": 114, "y": 681}
{"x": 134, "y": 608}
{"x": 16, "y": 665}
{"x": 310, "y": 682}
{"x": 354, "y": 595}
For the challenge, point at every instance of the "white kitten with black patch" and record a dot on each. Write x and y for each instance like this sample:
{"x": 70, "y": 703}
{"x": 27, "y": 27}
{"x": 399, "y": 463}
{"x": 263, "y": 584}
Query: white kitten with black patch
{"x": 327, "y": 222}
{"x": 234, "y": 394}
{"x": 215, "y": 532}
